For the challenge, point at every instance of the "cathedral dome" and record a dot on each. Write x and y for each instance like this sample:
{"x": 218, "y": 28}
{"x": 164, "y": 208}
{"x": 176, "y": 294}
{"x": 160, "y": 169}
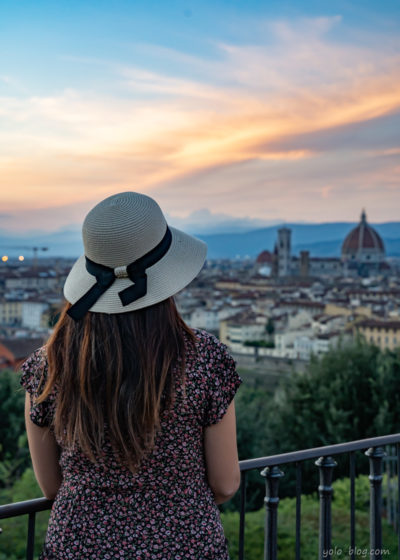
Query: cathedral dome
{"x": 363, "y": 244}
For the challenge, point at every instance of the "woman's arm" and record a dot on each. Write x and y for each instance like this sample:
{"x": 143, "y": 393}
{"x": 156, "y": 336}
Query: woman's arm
{"x": 45, "y": 454}
{"x": 220, "y": 449}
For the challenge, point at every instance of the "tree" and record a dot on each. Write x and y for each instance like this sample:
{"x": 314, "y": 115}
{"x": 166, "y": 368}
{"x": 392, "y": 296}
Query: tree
{"x": 251, "y": 404}
{"x": 260, "y": 343}
{"x": 350, "y": 393}
{"x": 270, "y": 327}
{"x": 14, "y": 454}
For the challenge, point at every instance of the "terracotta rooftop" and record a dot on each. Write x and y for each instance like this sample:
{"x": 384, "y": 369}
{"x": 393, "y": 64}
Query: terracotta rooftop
{"x": 21, "y": 348}
{"x": 264, "y": 257}
{"x": 302, "y": 303}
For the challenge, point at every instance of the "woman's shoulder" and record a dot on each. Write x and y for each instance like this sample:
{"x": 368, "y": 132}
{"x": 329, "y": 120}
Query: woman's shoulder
{"x": 214, "y": 376}
{"x": 33, "y": 378}
{"x": 209, "y": 349}
{"x": 206, "y": 339}
{"x": 39, "y": 356}
{"x": 34, "y": 370}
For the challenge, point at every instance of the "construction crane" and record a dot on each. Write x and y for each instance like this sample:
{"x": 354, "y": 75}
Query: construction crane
{"x": 34, "y": 249}
{"x": 35, "y": 254}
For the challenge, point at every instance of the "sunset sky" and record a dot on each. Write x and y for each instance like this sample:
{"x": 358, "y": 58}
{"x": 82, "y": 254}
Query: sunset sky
{"x": 277, "y": 110}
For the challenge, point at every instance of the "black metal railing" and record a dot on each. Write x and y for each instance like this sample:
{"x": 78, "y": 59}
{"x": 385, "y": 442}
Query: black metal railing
{"x": 272, "y": 473}
{"x": 323, "y": 460}
{"x": 29, "y": 508}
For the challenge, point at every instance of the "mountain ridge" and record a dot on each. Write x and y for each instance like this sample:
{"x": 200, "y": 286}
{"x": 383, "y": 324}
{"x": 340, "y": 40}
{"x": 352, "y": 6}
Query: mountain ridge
{"x": 322, "y": 240}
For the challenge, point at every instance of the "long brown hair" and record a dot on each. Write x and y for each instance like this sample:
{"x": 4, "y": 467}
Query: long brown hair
{"x": 117, "y": 371}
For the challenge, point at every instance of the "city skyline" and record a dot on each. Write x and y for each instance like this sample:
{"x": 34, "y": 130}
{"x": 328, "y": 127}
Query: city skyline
{"x": 286, "y": 112}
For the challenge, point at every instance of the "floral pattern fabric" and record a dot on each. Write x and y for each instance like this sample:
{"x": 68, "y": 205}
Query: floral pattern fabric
{"x": 166, "y": 509}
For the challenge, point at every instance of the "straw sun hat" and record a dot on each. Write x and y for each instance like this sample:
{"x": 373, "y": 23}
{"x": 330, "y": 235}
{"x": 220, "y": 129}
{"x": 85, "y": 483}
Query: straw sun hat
{"x": 132, "y": 259}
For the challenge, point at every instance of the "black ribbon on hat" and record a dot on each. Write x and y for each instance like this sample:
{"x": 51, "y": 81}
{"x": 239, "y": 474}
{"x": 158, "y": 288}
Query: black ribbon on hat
{"x": 105, "y": 276}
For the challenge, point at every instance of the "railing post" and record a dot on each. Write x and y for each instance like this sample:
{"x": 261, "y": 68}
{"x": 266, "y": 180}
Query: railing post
{"x": 375, "y": 456}
{"x": 242, "y": 514}
{"x": 352, "y": 551}
{"x": 326, "y": 466}
{"x": 298, "y": 509}
{"x": 271, "y": 500}
{"x": 30, "y": 544}
{"x": 398, "y": 495}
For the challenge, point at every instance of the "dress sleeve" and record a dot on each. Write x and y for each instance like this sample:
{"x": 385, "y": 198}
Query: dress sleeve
{"x": 223, "y": 382}
{"x": 33, "y": 378}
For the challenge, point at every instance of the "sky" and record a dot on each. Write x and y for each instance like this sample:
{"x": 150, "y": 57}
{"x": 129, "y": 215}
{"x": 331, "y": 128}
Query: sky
{"x": 220, "y": 110}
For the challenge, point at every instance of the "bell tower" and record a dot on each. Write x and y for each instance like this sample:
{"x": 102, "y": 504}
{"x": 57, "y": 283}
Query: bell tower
{"x": 284, "y": 251}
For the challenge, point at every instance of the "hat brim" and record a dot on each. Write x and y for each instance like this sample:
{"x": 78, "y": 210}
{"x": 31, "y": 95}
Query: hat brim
{"x": 178, "y": 267}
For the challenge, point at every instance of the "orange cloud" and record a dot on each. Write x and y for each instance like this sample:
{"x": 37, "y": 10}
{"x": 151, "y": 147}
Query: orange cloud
{"x": 165, "y": 130}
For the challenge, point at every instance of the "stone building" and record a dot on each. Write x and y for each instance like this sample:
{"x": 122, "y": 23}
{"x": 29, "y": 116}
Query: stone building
{"x": 384, "y": 333}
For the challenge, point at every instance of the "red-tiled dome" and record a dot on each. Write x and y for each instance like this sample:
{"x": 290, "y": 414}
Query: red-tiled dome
{"x": 265, "y": 257}
{"x": 362, "y": 238}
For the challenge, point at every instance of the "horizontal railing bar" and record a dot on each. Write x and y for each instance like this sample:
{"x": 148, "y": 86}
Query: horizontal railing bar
{"x": 317, "y": 452}
{"x": 23, "y": 508}
{"x": 42, "y": 504}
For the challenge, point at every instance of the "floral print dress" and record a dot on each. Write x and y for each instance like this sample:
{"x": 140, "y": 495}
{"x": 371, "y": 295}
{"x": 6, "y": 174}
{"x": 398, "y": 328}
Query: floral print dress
{"x": 166, "y": 509}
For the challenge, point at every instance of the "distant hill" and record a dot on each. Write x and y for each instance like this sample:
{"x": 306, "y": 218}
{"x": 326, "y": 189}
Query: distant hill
{"x": 61, "y": 243}
{"x": 322, "y": 240}
{"x": 333, "y": 248}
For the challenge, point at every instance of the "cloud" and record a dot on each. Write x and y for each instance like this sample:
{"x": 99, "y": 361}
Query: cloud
{"x": 267, "y": 129}
{"x": 205, "y": 222}
{"x": 47, "y": 218}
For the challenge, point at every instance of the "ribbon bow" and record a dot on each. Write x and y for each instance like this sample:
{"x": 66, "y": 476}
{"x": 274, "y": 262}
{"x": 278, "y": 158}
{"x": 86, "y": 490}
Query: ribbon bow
{"x": 106, "y": 276}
